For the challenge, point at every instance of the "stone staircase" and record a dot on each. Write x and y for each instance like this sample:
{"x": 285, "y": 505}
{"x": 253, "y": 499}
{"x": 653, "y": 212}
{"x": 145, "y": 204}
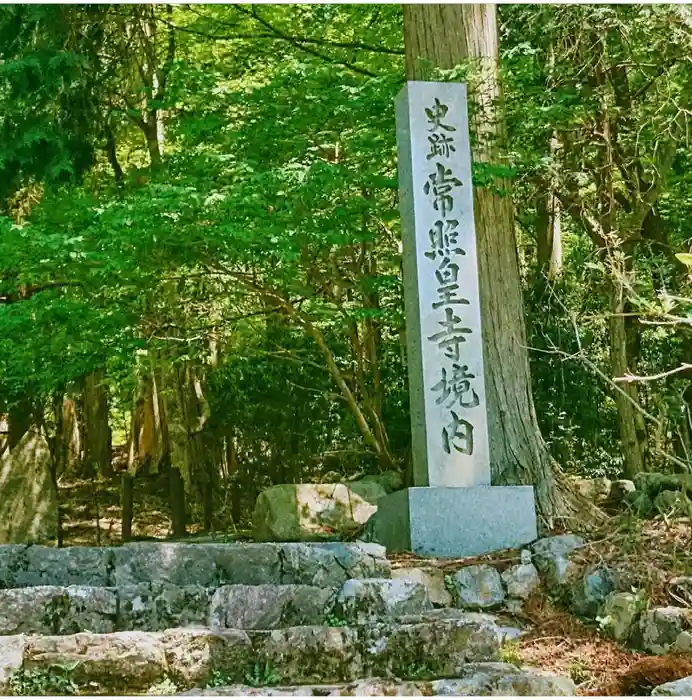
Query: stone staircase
{"x": 240, "y": 619}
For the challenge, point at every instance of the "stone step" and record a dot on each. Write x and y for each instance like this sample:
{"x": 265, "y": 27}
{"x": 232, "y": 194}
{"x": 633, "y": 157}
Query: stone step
{"x": 184, "y": 564}
{"x": 159, "y": 606}
{"x": 479, "y": 679}
{"x": 132, "y": 662}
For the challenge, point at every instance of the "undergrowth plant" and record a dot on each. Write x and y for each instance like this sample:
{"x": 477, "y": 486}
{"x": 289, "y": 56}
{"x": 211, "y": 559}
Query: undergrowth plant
{"x": 54, "y": 680}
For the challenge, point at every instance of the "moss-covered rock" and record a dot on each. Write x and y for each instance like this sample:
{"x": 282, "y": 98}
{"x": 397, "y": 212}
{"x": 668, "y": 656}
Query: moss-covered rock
{"x": 314, "y": 512}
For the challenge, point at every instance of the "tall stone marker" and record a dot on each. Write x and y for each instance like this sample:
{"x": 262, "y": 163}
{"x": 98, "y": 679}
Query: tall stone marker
{"x": 452, "y": 510}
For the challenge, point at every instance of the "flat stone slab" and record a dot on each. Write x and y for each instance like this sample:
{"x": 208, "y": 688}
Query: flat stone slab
{"x": 455, "y": 522}
{"x": 208, "y": 565}
{"x": 475, "y": 680}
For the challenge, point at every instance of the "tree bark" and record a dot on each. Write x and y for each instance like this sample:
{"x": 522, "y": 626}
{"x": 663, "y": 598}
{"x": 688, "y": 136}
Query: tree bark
{"x": 97, "y": 432}
{"x": 19, "y": 420}
{"x": 127, "y": 498}
{"x": 630, "y": 421}
{"x": 445, "y": 36}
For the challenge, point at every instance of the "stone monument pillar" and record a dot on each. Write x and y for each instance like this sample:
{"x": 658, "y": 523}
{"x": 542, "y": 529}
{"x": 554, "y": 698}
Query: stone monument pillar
{"x": 452, "y": 510}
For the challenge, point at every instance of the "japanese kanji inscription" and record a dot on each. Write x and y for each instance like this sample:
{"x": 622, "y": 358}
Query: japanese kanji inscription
{"x": 445, "y": 354}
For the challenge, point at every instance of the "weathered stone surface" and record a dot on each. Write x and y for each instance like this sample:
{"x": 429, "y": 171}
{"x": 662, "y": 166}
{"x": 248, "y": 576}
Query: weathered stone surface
{"x": 68, "y": 566}
{"x": 193, "y": 654}
{"x": 481, "y": 679}
{"x": 591, "y": 590}
{"x": 522, "y": 579}
{"x": 683, "y": 642}
{"x": 331, "y": 563}
{"x": 28, "y": 498}
{"x": 401, "y": 649}
{"x": 208, "y": 565}
{"x": 269, "y": 606}
{"x": 11, "y": 659}
{"x": 434, "y": 581}
{"x": 311, "y": 654}
{"x": 313, "y": 512}
{"x": 104, "y": 663}
{"x": 552, "y": 558}
{"x": 441, "y": 647}
{"x": 681, "y": 687}
{"x": 178, "y": 563}
{"x": 658, "y": 629}
{"x": 249, "y": 564}
{"x": 504, "y": 679}
{"x": 160, "y": 606}
{"x": 478, "y": 586}
{"x": 57, "y": 610}
{"x": 595, "y": 490}
{"x": 620, "y": 613}
{"x": 364, "y": 600}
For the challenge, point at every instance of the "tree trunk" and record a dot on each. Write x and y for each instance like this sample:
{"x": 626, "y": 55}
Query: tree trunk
{"x": 97, "y": 432}
{"x": 630, "y": 421}
{"x": 549, "y": 235}
{"x": 19, "y": 421}
{"x": 446, "y": 36}
{"x": 127, "y": 500}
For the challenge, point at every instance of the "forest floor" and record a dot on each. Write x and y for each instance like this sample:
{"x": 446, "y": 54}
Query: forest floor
{"x": 645, "y": 554}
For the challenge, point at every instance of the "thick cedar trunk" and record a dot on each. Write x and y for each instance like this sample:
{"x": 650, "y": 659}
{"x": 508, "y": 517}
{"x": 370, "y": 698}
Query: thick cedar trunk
{"x": 97, "y": 432}
{"x": 448, "y": 35}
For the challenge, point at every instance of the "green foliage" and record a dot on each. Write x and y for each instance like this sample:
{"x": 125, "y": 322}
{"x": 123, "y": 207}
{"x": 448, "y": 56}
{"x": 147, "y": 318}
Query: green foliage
{"x": 54, "y": 680}
{"x": 334, "y": 620}
{"x": 259, "y": 242}
{"x": 262, "y": 674}
{"x": 510, "y": 653}
{"x": 165, "y": 687}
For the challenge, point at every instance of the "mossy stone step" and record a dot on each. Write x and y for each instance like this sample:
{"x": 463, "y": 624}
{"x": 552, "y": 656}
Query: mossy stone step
{"x": 131, "y": 662}
{"x": 151, "y": 607}
{"x": 479, "y": 679}
{"x": 184, "y": 564}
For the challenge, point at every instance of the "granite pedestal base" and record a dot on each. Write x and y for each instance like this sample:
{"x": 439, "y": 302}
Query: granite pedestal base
{"x": 455, "y": 522}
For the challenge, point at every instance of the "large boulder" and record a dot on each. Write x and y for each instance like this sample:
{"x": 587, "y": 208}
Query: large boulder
{"x": 478, "y": 586}
{"x": 28, "y": 497}
{"x": 314, "y": 512}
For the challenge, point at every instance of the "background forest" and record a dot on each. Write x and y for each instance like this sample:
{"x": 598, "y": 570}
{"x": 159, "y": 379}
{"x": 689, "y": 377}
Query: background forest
{"x": 200, "y": 258}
